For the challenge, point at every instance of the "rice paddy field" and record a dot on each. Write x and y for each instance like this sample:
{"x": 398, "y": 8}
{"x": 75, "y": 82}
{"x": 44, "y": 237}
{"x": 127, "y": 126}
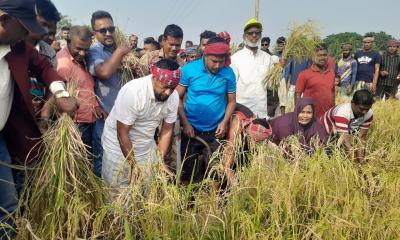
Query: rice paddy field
{"x": 277, "y": 196}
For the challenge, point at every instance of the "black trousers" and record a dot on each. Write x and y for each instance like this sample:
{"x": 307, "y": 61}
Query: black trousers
{"x": 195, "y": 158}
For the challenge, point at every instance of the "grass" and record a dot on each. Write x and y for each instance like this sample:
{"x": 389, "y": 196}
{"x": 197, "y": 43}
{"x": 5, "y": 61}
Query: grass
{"x": 277, "y": 197}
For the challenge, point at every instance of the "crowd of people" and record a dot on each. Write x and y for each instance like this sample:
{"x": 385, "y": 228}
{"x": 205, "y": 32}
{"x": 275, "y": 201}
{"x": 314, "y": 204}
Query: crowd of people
{"x": 190, "y": 100}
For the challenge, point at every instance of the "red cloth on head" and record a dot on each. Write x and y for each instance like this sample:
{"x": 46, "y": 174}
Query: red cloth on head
{"x": 225, "y": 35}
{"x": 168, "y": 77}
{"x": 257, "y": 131}
{"x": 219, "y": 48}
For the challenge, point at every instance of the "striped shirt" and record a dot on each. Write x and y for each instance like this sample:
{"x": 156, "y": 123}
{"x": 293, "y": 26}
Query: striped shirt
{"x": 340, "y": 119}
{"x": 391, "y": 64}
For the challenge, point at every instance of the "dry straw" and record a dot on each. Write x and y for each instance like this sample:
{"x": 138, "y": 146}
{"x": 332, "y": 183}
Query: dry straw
{"x": 299, "y": 46}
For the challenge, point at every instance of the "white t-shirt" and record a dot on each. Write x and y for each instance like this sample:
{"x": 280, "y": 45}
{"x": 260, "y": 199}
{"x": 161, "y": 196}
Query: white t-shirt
{"x": 250, "y": 70}
{"x": 136, "y": 105}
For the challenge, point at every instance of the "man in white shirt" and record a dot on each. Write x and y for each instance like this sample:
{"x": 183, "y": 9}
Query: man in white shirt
{"x": 251, "y": 66}
{"x": 141, "y": 106}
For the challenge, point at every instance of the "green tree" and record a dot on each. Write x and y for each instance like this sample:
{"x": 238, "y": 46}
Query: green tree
{"x": 335, "y": 42}
{"x": 64, "y": 22}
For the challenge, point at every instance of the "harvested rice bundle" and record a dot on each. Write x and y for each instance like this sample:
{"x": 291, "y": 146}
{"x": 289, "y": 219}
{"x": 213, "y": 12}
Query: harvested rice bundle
{"x": 300, "y": 44}
{"x": 62, "y": 194}
{"x": 130, "y": 66}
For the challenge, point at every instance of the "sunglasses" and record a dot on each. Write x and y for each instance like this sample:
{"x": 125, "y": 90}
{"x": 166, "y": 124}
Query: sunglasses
{"x": 264, "y": 44}
{"x": 256, "y": 33}
{"x": 105, "y": 30}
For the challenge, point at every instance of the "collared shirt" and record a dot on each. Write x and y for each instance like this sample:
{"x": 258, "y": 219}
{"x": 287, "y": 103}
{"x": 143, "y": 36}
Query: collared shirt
{"x": 63, "y": 43}
{"x": 106, "y": 90}
{"x": 391, "y": 64}
{"x": 136, "y": 105}
{"x": 294, "y": 68}
{"x": 155, "y": 56}
{"x": 320, "y": 86}
{"x": 206, "y": 94}
{"x": 250, "y": 70}
{"x": 46, "y": 50}
{"x": 6, "y": 86}
{"x": 341, "y": 119}
{"x": 72, "y": 71}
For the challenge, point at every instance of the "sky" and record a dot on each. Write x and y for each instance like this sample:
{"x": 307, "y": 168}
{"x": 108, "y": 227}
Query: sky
{"x": 149, "y": 17}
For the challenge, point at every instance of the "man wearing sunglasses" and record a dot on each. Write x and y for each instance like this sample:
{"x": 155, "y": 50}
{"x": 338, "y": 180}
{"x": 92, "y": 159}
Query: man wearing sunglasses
{"x": 103, "y": 60}
{"x": 265, "y": 42}
{"x": 251, "y": 65}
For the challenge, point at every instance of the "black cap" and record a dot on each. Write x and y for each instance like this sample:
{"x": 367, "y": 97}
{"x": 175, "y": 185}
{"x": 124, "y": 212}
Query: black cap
{"x": 24, "y": 11}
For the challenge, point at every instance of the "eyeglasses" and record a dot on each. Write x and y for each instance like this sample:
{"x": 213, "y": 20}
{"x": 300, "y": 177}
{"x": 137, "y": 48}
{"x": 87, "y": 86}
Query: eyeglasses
{"x": 105, "y": 30}
{"x": 254, "y": 33}
{"x": 264, "y": 44}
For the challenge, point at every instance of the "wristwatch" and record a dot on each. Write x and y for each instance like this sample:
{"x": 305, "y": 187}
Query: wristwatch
{"x": 62, "y": 94}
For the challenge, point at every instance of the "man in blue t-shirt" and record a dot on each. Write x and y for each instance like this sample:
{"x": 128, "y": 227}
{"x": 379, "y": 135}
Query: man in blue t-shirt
{"x": 368, "y": 63}
{"x": 210, "y": 88}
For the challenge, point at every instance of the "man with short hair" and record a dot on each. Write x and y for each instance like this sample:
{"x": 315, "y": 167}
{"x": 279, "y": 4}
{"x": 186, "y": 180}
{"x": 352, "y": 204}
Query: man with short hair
{"x": 318, "y": 82}
{"x": 204, "y": 37}
{"x": 103, "y": 61}
{"x": 390, "y": 71}
{"x": 19, "y": 134}
{"x": 188, "y": 43}
{"x": 251, "y": 66}
{"x": 280, "y": 46}
{"x": 351, "y": 119}
{"x": 141, "y": 106}
{"x": 133, "y": 41}
{"x": 171, "y": 44}
{"x": 150, "y": 45}
{"x": 208, "y": 87}
{"x": 346, "y": 70}
{"x": 368, "y": 64}
{"x": 72, "y": 67}
{"x": 63, "y": 36}
{"x": 265, "y": 42}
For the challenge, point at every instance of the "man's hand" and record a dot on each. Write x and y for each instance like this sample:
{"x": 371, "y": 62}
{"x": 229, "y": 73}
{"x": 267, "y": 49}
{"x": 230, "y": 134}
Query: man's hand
{"x": 123, "y": 49}
{"x": 67, "y": 105}
{"x": 373, "y": 88}
{"x": 221, "y": 130}
{"x": 384, "y": 73}
{"x": 188, "y": 130}
{"x": 100, "y": 113}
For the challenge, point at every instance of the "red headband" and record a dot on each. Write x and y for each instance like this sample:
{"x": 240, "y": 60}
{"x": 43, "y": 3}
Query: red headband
{"x": 168, "y": 77}
{"x": 257, "y": 131}
{"x": 218, "y": 48}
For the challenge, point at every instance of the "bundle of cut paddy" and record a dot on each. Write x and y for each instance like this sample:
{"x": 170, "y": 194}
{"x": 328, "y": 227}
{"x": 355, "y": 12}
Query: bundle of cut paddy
{"x": 130, "y": 66}
{"x": 62, "y": 194}
{"x": 299, "y": 46}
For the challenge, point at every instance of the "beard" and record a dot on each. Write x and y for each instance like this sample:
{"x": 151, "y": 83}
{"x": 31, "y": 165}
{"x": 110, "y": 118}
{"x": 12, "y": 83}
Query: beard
{"x": 160, "y": 97}
{"x": 252, "y": 45}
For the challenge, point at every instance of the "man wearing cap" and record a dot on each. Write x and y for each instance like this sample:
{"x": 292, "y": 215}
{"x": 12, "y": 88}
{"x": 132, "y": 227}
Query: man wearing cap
{"x": 141, "y": 106}
{"x": 368, "y": 65}
{"x": 19, "y": 134}
{"x": 251, "y": 65}
{"x": 390, "y": 71}
{"x": 208, "y": 87}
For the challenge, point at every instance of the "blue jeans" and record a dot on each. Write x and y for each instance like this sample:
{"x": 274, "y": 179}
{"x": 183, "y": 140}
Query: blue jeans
{"x": 8, "y": 196}
{"x": 97, "y": 148}
{"x": 87, "y": 135}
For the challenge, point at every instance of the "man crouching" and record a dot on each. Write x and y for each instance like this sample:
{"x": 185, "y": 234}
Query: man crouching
{"x": 128, "y": 137}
